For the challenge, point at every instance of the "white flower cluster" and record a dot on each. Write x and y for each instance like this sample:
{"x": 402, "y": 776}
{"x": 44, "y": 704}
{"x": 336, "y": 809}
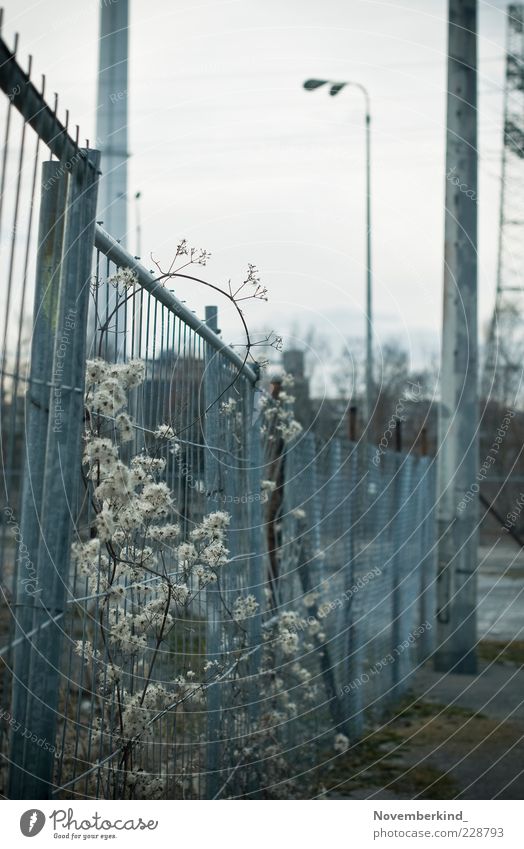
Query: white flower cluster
{"x": 288, "y": 641}
{"x": 298, "y": 513}
{"x": 150, "y": 577}
{"x": 245, "y": 607}
{"x": 139, "y": 709}
{"x": 85, "y": 649}
{"x": 144, "y": 465}
{"x": 228, "y": 407}
{"x": 189, "y": 691}
{"x": 163, "y": 533}
{"x": 180, "y": 594}
{"x": 253, "y": 279}
{"x": 130, "y": 500}
{"x": 285, "y": 398}
{"x": 125, "y": 277}
{"x": 127, "y": 375}
{"x": 165, "y": 431}
{"x": 145, "y": 785}
{"x": 91, "y": 564}
{"x": 124, "y": 630}
{"x": 278, "y": 416}
{"x": 303, "y": 674}
{"x": 310, "y": 599}
{"x": 105, "y": 524}
{"x": 197, "y": 256}
{"x": 206, "y": 552}
{"x": 109, "y": 677}
{"x": 268, "y": 486}
{"x": 106, "y": 393}
{"x": 315, "y": 629}
{"x": 133, "y": 507}
{"x": 285, "y": 632}
{"x": 215, "y": 524}
{"x": 341, "y": 743}
{"x": 289, "y": 619}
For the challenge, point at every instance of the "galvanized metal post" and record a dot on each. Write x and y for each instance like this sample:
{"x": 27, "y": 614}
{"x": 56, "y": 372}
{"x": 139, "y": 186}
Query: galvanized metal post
{"x": 63, "y": 452}
{"x": 401, "y": 491}
{"x": 256, "y": 521}
{"x": 458, "y": 413}
{"x": 354, "y": 710}
{"x": 427, "y": 559}
{"x": 353, "y": 423}
{"x": 310, "y": 542}
{"x": 255, "y": 576}
{"x": 398, "y": 434}
{"x": 50, "y": 243}
{"x": 214, "y": 778}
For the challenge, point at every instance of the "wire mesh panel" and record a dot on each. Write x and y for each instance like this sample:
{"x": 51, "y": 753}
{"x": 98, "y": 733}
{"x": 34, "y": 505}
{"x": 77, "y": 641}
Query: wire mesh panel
{"x": 155, "y": 612}
{"x": 234, "y": 600}
{"x": 351, "y": 568}
{"x": 40, "y": 214}
{"x": 19, "y": 203}
{"x": 377, "y": 600}
{"x": 22, "y": 157}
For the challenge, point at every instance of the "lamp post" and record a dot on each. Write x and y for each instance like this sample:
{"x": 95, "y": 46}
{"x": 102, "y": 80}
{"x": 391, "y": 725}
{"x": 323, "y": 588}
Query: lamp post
{"x": 334, "y": 88}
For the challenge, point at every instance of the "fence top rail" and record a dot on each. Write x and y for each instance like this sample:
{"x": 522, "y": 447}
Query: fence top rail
{"x": 114, "y": 251}
{"x": 17, "y": 85}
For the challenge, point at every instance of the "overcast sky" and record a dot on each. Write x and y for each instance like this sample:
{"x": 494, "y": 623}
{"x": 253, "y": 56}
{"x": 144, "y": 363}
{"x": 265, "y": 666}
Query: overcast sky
{"x": 230, "y": 152}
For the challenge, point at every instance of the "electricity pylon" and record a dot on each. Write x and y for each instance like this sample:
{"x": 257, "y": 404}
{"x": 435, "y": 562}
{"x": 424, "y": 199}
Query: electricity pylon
{"x": 503, "y": 370}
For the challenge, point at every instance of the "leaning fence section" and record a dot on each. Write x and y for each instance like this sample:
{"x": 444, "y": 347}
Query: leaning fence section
{"x": 199, "y": 597}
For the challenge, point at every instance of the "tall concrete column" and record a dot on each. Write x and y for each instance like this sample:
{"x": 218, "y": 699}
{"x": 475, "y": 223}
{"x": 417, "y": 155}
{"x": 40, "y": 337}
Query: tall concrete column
{"x": 458, "y": 418}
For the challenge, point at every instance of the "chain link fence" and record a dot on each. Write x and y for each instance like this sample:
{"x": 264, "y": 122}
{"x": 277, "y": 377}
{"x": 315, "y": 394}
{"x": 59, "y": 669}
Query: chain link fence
{"x": 198, "y": 599}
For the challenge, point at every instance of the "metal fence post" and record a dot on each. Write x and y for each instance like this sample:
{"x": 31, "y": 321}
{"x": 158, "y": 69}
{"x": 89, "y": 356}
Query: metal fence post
{"x": 428, "y": 574}
{"x": 395, "y": 576}
{"x": 256, "y": 551}
{"x": 213, "y": 623}
{"x": 50, "y": 242}
{"x": 311, "y": 539}
{"x": 354, "y": 707}
{"x": 62, "y": 453}
{"x": 401, "y": 489}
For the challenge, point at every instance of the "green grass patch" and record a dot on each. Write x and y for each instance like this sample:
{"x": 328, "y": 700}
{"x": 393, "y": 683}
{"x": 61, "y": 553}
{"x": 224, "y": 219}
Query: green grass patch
{"x": 502, "y": 651}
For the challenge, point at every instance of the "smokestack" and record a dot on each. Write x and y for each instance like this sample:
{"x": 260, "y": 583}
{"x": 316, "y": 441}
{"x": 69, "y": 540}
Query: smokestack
{"x": 112, "y": 116}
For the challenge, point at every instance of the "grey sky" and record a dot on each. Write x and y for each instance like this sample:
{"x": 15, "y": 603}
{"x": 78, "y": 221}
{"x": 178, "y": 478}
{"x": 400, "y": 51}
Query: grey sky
{"x": 230, "y": 152}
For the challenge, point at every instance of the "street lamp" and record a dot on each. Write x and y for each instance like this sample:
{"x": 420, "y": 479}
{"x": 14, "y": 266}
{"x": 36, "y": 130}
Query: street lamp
{"x": 334, "y": 88}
